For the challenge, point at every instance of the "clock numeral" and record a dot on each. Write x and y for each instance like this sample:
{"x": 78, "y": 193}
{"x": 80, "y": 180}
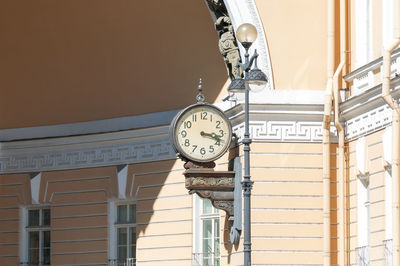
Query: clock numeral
{"x": 195, "y": 147}
{"x": 211, "y": 117}
{"x": 194, "y": 117}
{"x": 218, "y": 143}
{"x": 203, "y": 115}
{"x": 211, "y": 148}
{"x": 184, "y": 133}
{"x": 187, "y": 143}
{"x": 187, "y": 124}
{"x": 221, "y": 133}
{"x": 218, "y": 124}
{"x": 202, "y": 151}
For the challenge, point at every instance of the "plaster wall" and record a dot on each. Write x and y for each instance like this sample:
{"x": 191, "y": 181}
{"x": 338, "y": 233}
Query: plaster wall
{"x": 64, "y": 62}
{"x": 287, "y": 200}
{"x": 286, "y": 210}
{"x": 377, "y": 216}
{"x": 296, "y": 33}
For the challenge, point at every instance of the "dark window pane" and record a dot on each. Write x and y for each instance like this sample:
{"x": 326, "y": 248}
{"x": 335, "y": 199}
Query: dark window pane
{"x": 132, "y": 213}
{"x": 46, "y": 217}
{"x": 122, "y": 236}
{"x": 33, "y": 217}
{"x": 46, "y": 256}
{"x": 132, "y": 235}
{"x": 122, "y": 213}
{"x": 33, "y": 240}
{"x": 122, "y": 253}
{"x": 46, "y": 239}
{"x": 133, "y": 251}
{"x": 33, "y": 256}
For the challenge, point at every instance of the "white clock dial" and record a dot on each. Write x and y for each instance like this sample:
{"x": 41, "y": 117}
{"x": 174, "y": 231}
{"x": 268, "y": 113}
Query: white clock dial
{"x": 202, "y": 133}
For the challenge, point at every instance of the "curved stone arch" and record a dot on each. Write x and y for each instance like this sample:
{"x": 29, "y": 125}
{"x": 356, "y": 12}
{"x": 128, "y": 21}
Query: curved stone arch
{"x": 245, "y": 11}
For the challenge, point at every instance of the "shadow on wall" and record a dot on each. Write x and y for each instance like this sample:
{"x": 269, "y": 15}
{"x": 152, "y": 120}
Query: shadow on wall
{"x": 96, "y": 59}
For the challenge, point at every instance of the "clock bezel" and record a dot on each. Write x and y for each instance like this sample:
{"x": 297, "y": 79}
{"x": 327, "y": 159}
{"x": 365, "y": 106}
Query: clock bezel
{"x": 174, "y": 140}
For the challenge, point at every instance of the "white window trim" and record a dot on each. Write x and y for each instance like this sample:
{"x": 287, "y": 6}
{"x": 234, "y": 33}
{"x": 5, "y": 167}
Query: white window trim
{"x": 25, "y": 229}
{"x": 113, "y": 226}
{"x": 198, "y": 217}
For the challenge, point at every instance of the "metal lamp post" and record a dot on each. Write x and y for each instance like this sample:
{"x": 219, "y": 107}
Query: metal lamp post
{"x": 253, "y": 79}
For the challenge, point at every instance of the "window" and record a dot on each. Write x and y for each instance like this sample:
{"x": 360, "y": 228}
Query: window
{"x": 123, "y": 237}
{"x": 38, "y": 230}
{"x": 207, "y": 234}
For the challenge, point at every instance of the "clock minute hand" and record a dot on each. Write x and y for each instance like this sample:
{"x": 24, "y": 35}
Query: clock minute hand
{"x": 211, "y": 135}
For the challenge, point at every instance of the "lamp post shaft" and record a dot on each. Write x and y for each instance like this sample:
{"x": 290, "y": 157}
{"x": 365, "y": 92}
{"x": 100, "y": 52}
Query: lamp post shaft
{"x": 247, "y": 184}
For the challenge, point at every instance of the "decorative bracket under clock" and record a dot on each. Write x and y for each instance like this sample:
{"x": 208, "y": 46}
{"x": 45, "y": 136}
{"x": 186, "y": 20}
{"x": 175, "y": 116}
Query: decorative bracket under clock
{"x": 223, "y": 188}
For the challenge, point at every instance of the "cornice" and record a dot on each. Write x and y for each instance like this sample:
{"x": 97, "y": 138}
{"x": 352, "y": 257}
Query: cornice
{"x": 276, "y": 122}
{"x": 92, "y": 127}
{"x": 369, "y": 67}
{"x": 367, "y": 112}
{"x": 126, "y": 147}
{"x": 280, "y": 122}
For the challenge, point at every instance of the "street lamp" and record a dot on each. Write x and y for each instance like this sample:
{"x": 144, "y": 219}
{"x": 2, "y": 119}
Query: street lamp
{"x": 254, "y": 79}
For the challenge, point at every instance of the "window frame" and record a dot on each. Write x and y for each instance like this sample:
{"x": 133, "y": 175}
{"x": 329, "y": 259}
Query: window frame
{"x": 26, "y": 229}
{"x": 198, "y": 230}
{"x": 114, "y": 225}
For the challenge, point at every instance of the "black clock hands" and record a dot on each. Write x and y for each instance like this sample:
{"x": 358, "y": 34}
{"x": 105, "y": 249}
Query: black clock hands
{"x": 214, "y": 136}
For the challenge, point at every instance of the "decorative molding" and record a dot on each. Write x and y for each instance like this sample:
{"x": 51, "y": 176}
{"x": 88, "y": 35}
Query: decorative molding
{"x": 368, "y": 122}
{"x": 281, "y": 122}
{"x": 282, "y": 131}
{"x": 86, "y": 151}
{"x": 367, "y": 113}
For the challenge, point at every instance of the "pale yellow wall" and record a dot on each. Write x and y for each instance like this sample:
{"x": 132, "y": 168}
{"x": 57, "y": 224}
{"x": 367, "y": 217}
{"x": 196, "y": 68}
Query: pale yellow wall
{"x": 286, "y": 209}
{"x": 375, "y": 166}
{"x": 78, "y": 201}
{"x": 287, "y": 197}
{"x": 70, "y": 61}
{"x": 13, "y": 193}
{"x": 296, "y": 33}
{"x": 164, "y": 214}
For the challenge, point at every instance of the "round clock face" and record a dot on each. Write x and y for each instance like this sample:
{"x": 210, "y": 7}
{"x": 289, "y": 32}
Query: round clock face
{"x": 201, "y": 133}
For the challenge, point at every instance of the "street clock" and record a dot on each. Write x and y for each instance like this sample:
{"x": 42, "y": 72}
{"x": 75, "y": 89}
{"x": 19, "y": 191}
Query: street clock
{"x": 201, "y": 132}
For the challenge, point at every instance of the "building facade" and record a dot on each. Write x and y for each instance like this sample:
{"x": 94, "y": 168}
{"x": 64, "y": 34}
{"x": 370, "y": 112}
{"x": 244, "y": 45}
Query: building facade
{"x": 88, "y": 175}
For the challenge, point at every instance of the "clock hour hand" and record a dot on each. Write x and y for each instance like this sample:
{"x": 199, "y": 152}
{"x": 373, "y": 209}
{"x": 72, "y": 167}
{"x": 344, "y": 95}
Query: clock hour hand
{"x": 211, "y": 135}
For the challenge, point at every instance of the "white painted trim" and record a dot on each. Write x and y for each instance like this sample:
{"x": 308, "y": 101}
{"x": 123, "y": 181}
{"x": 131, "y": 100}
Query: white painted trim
{"x": 35, "y": 188}
{"x": 387, "y": 145}
{"x": 245, "y": 11}
{"x": 23, "y": 234}
{"x": 362, "y": 214}
{"x": 283, "y": 119}
{"x": 361, "y": 154}
{"x": 196, "y": 223}
{"x": 122, "y": 182}
{"x": 112, "y": 237}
